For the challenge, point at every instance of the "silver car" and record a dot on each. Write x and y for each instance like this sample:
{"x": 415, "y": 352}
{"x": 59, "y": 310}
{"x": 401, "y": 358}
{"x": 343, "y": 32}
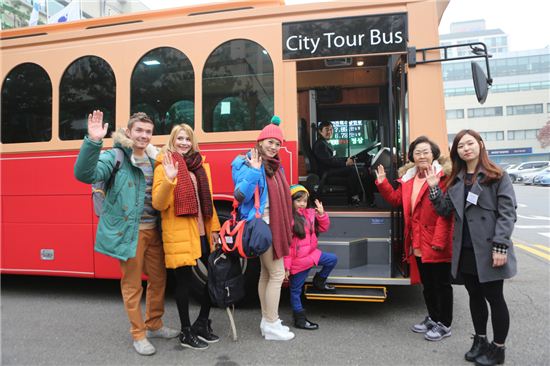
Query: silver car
{"x": 526, "y": 167}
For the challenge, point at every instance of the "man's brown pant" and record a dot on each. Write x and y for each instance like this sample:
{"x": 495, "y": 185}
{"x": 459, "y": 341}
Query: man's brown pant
{"x": 149, "y": 260}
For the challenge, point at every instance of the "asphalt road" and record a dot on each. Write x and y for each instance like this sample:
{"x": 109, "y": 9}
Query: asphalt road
{"x": 63, "y": 321}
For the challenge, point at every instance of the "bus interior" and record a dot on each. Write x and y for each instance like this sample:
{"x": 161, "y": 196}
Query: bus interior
{"x": 364, "y": 99}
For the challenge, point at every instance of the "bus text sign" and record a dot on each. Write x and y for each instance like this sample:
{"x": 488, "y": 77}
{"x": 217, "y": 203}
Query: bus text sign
{"x": 345, "y": 36}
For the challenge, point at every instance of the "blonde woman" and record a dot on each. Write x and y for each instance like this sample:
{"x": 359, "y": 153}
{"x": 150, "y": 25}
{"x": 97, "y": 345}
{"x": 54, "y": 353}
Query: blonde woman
{"x": 182, "y": 192}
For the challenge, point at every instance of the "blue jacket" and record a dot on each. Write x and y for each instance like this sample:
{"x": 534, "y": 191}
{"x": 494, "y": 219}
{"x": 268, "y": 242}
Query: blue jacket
{"x": 245, "y": 179}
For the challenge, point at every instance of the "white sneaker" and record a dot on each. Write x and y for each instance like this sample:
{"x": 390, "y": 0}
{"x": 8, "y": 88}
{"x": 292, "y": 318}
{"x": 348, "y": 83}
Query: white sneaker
{"x": 163, "y": 332}
{"x": 262, "y": 325}
{"x": 276, "y": 332}
{"x": 144, "y": 347}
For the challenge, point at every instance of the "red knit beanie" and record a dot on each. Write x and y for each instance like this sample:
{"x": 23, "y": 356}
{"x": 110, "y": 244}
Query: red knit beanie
{"x": 272, "y": 131}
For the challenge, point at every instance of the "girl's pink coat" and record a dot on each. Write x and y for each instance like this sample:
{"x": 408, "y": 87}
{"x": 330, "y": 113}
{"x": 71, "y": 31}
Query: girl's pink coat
{"x": 304, "y": 253}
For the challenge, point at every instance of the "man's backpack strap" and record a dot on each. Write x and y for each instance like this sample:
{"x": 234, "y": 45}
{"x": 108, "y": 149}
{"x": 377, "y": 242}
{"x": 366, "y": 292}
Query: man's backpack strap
{"x": 119, "y": 159}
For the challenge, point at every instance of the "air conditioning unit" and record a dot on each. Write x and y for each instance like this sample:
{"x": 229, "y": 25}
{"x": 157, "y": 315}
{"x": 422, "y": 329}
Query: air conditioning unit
{"x": 338, "y": 62}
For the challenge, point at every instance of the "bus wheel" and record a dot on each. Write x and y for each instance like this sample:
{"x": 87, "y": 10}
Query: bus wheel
{"x": 250, "y": 268}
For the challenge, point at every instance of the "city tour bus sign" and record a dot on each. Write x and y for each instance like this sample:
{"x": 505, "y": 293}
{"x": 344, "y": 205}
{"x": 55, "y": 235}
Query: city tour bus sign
{"x": 345, "y": 36}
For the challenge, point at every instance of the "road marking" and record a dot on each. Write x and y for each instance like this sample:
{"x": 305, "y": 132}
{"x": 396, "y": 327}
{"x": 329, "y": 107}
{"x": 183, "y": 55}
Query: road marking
{"x": 522, "y": 205}
{"x": 532, "y": 226}
{"x": 536, "y": 252}
{"x": 534, "y": 217}
{"x": 545, "y": 234}
{"x": 543, "y": 247}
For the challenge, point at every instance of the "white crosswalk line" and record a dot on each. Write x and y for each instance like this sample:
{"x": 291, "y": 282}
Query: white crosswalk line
{"x": 532, "y": 226}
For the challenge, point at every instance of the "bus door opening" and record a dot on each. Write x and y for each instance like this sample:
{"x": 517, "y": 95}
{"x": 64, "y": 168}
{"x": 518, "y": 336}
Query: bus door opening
{"x": 345, "y": 93}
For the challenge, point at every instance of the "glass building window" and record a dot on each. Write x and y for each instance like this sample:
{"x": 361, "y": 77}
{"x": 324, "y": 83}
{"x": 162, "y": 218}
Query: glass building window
{"x": 492, "y": 135}
{"x": 26, "y": 105}
{"x": 237, "y": 85}
{"x": 514, "y": 110}
{"x": 163, "y": 86}
{"x": 87, "y": 84}
{"x": 522, "y": 134}
{"x": 454, "y": 113}
{"x": 484, "y": 112}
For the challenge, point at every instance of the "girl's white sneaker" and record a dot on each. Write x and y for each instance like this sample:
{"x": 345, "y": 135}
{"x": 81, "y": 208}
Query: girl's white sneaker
{"x": 262, "y": 325}
{"x": 276, "y": 331}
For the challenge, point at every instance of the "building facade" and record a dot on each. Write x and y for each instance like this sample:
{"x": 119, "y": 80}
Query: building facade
{"x": 518, "y": 104}
{"x": 16, "y": 13}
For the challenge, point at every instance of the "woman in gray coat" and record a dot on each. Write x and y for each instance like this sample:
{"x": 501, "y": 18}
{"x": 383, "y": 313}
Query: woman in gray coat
{"x": 482, "y": 198}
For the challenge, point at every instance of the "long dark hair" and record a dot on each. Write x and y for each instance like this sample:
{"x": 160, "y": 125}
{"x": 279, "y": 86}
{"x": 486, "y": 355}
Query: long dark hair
{"x": 491, "y": 171}
{"x": 299, "y": 228}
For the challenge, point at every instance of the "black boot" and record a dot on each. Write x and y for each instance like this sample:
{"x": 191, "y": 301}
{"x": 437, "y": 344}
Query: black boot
{"x": 479, "y": 347}
{"x": 493, "y": 356}
{"x": 300, "y": 321}
{"x": 320, "y": 284}
{"x": 189, "y": 339}
{"x": 203, "y": 330}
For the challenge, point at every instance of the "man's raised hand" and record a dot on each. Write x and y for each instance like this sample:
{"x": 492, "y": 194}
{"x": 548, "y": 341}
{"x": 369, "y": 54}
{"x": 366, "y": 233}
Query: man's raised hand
{"x": 96, "y": 128}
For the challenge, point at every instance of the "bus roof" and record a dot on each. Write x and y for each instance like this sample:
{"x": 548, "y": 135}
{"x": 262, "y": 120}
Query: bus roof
{"x": 137, "y": 17}
{"x": 154, "y": 16}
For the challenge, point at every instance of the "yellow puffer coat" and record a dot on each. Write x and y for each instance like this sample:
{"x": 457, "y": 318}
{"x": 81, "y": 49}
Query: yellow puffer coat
{"x": 180, "y": 234}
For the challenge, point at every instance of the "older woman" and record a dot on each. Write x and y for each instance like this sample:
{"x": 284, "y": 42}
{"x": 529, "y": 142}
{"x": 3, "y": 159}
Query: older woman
{"x": 182, "y": 192}
{"x": 482, "y": 198}
{"x": 427, "y": 236}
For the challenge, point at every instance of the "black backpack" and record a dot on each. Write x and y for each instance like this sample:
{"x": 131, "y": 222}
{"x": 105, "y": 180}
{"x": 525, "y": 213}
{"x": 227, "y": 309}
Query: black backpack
{"x": 225, "y": 278}
{"x": 226, "y": 283}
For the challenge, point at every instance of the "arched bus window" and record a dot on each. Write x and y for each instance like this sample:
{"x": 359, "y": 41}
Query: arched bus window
{"x": 87, "y": 84}
{"x": 26, "y": 105}
{"x": 163, "y": 86}
{"x": 237, "y": 85}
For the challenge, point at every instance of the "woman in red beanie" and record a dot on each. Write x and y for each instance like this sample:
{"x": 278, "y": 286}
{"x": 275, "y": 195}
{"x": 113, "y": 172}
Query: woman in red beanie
{"x": 261, "y": 168}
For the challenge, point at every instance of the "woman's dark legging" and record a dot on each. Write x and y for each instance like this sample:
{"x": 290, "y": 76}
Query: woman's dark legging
{"x": 438, "y": 292}
{"x": 492, "y": 292}
{"x": 183, "y": 286}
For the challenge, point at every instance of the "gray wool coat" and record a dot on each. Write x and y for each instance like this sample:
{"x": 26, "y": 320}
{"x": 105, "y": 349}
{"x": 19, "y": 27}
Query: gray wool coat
{"x": 490, "y": 220}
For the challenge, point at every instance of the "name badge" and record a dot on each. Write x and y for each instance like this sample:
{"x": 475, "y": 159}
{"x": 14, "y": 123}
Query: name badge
{"x": 229, "y": 239}
{"x": 472, "y": 198}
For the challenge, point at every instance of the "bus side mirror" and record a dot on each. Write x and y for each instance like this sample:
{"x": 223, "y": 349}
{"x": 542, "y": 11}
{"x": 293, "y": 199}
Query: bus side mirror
{"x": 481, "y": 83}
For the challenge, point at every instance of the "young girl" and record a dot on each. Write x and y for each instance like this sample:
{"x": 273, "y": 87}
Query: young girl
{"x": 182, "y": 192}
{"x": 304, "y": 253}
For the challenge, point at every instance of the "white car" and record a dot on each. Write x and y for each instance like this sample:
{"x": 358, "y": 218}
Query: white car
{"x": 527, "y": 177}
{"x": 527, "y": 167}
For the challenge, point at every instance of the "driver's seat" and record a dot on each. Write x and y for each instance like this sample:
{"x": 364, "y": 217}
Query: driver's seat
{"x": 316, "y": 184}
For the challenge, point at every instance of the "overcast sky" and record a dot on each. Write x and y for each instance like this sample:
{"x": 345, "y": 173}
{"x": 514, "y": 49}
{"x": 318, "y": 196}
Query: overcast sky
{"x": 525, "y": 21}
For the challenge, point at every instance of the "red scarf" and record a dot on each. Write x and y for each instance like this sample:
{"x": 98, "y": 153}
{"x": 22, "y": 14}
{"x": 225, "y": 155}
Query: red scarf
{"x": 280, "y": 208}
{"x": 185, "y": 197}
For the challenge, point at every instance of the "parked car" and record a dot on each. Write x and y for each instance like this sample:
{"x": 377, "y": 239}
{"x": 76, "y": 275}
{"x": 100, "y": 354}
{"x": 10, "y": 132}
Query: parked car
{"x": 528, "y": 166}
{"x": 527, "y": 177}
{"x": 543, "y": 178}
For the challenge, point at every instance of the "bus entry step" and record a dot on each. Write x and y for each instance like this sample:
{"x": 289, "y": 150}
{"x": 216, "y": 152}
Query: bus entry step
{"x": 348, "y": 293}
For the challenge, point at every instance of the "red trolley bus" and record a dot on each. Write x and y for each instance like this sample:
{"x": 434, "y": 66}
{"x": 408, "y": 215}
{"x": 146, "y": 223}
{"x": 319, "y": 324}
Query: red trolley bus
{"x": 225, "y": 69}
